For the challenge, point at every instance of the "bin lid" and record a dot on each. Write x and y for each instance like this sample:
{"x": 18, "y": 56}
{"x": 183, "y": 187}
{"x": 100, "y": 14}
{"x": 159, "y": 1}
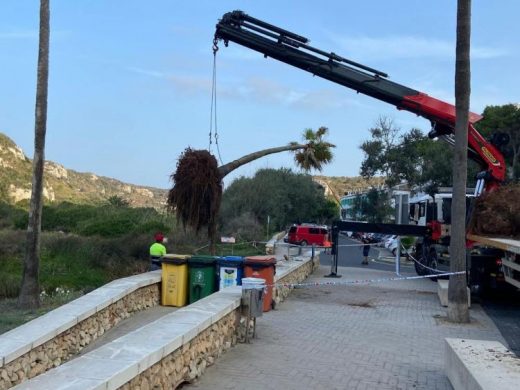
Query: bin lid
{"x": 175, "y": 256}
{"x": 171, "y": 258}
{"x": 203, "y": 260}
{"x": 253, "y": 283}
{"x": 260, "y": 260}
{"x": 235, "y": 260}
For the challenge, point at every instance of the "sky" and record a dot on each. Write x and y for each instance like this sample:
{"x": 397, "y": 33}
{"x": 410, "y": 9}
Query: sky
{"x": 130, "y": 81}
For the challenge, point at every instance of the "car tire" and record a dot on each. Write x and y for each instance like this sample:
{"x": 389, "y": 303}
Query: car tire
{"x": 394, "y": 251}
{"x": 303, "y": 243}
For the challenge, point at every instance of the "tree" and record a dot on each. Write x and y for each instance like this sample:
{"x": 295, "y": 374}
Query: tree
{"x": 196, "y": 194}
{"x": 30, "y": 290}
{"x": 286, "y": 197}
{"x": 457, "y": 291}
{"x": 409, "y": 157}
{"x": 504, "y": 119}
{"x": 405, "y": 157}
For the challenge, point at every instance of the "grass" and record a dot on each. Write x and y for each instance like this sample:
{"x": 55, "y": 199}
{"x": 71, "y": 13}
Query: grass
{"x": 12, "y": 316}
{"x": 84, "y": 247}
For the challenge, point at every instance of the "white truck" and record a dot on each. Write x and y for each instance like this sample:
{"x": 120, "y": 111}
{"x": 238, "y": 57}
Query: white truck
{"x": 509, "y": 263}
{"x": 492, "y": 262}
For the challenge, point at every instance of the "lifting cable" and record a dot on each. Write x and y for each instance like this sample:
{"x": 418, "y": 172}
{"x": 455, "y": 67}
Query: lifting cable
{"x": 213, "y": 109}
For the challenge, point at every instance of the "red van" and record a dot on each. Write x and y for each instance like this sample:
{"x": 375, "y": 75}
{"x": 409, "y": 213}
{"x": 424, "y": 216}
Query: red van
{"x": 308, "y": 235}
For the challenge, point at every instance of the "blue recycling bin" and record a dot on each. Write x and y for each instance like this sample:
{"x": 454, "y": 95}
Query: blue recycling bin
{"x": 230, "y": 271}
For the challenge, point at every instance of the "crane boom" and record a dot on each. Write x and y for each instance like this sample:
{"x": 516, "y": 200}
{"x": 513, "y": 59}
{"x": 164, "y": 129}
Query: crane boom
{"x": 294, "y": 49}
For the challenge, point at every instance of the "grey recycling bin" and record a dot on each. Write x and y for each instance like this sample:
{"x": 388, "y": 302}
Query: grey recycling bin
{"x": 253, "y": 295}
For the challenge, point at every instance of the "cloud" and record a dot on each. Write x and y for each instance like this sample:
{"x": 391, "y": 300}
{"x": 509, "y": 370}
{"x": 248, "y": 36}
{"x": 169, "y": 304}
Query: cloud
{"x": 403, "y": 47}
{"x": 272, "y": 92}
{"x": 256, "y": 89}
{"x": 192, "y": 84}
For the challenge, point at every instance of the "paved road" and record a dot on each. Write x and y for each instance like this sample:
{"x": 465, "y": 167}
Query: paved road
{"x": 504, "y": 309}
{"x": 505, "y": 312}
{"x": 379, "y": 258}
{"x": 380, "y": 336}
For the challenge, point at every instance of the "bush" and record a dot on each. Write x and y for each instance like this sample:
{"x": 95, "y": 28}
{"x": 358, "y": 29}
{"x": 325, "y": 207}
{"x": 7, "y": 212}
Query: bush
{"x": 245, "y": 227}
{"x": 407, "y": 242}
{"x": 84, "y": 247}
{"x": 12, "y": 244}
{"x": 12, "y": 217}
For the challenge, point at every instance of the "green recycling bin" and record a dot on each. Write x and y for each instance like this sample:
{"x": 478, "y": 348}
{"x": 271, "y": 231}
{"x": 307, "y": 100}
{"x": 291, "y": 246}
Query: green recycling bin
{"x": 202, "y": 276}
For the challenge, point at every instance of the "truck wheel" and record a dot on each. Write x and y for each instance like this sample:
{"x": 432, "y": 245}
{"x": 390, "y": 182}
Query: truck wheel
{"x": 419, "y": 269}
{"x": 303, "y": 243}
{"x": 433, "y": 264}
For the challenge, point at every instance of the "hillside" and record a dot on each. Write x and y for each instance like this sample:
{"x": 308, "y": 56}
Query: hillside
{"x": 338, "y": 186}
{"x": 61, "y": 184}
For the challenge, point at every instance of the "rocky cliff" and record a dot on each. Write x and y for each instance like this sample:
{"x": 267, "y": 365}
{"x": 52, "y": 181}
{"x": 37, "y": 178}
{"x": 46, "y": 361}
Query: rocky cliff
{"x": 336, "y": 187}
{"x": 62, "y": 184}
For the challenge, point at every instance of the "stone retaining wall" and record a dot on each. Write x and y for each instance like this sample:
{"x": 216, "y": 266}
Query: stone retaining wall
{"x": 211, "y": 326}
{"x": 189, "y": 361}
{"x": 69, "y": 343}
{"x": 296, "y": 276}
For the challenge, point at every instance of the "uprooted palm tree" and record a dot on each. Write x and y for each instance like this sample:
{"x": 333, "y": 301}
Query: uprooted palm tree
{"x": 197, "y": 182}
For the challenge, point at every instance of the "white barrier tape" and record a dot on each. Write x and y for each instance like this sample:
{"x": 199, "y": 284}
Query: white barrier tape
{"x": 371, "y": 244}
{"x": 362, "y": 281}
{"x": 308, "y": 246}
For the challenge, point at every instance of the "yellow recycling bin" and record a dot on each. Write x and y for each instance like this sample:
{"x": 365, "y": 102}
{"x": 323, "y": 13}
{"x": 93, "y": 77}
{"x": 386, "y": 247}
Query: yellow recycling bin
{"x": 174, "y": 280}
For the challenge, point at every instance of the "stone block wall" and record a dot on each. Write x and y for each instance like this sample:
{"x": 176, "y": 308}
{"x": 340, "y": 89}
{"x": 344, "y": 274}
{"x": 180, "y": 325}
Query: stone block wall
{"x": 189, "y": 361}
{"x": 69, "y": 343}
{"x": 296, "y": 276}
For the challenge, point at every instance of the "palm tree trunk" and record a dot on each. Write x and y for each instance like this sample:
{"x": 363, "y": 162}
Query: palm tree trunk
{"x": 231, "y": 166}
{"x": 30, "y": 290}
{"x": 457, "y": 292}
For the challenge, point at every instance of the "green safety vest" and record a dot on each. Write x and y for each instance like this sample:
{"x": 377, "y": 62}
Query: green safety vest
{"x": 157, "y": 250}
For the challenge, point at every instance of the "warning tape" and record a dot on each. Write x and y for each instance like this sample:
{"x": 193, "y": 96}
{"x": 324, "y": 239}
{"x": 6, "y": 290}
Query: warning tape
{"x": 362, "y": 281}
{"x": 423, "y": 265}
{"x": 371, "y": 244}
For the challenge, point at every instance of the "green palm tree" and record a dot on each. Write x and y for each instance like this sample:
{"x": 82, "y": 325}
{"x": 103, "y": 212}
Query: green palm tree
{"x": 317, "y": 151}
{"x": 313, "y": 153}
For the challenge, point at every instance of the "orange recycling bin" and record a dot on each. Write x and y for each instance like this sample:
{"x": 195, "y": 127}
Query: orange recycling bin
{"x": 262, "y": 267}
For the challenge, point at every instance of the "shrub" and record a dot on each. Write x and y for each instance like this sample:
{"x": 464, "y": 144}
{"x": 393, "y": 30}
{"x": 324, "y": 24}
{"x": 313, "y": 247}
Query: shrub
{"x": 12, "y": 216}
{"x": 407, "y": 242}
{"x": 245, "y": 226}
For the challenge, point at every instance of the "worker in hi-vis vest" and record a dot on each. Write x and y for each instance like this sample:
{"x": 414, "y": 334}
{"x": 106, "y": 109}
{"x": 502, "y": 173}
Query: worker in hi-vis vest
{"x": 157, "y": 251}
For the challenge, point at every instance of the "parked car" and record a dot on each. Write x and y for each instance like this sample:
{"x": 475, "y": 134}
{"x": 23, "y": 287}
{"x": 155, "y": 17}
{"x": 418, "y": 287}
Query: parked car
{"x": 390, "y": 240}
{"x": 377, "y": 237}
{"x": 308, "y": 235}
{"x": 381, "y": 240}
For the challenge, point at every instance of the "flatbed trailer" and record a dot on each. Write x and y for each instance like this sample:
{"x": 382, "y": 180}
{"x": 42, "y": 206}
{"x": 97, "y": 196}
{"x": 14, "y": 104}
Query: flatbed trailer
{"x": 510, "y": 259}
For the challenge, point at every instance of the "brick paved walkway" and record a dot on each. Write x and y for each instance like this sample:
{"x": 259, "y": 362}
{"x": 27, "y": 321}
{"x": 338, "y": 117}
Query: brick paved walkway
{"x": 384, "y": 336}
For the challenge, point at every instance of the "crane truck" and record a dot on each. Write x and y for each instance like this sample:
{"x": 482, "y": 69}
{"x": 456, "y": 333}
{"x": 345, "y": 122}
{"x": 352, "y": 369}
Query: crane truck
{"x": 294, "y": 49}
